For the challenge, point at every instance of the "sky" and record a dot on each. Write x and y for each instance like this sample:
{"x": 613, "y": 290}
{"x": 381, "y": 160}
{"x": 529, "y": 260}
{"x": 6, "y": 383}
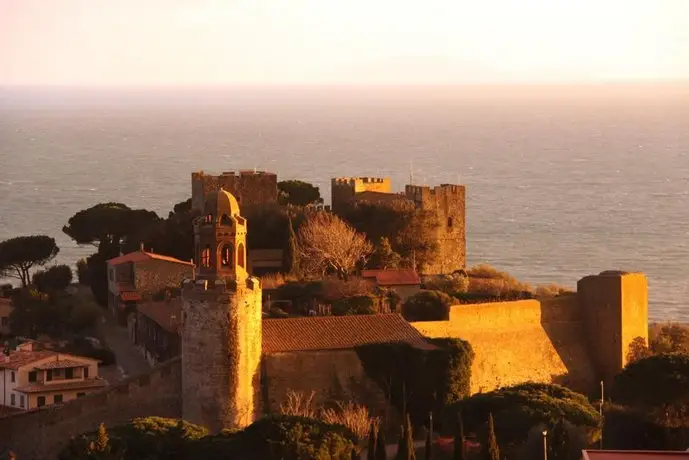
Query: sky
{"x": 228, "y": 42}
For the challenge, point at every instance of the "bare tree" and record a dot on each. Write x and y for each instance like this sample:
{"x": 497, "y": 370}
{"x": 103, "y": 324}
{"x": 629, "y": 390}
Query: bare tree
{"x": 327, "y": 243}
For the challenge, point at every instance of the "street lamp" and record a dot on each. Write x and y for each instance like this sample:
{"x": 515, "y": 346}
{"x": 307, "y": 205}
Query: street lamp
{"x": 602, "y": 399}
{"x": 545, "y": 444}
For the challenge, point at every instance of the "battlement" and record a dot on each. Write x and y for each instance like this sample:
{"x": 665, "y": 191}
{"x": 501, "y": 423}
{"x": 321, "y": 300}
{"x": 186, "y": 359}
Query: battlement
{"x": 360, "y": 181}
{"x": 218, "y": 285}
{"x": 452, "y": 189}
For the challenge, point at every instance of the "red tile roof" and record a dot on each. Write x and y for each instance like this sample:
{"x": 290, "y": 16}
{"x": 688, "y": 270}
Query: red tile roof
{"x": 338, "y": 332}
{"x": 633, "y": 455}
{"x": 19, "y": 359}
{"x": 75, "y": 385}
{"x": 63, "y": 363}
{"x": 162, "y": 313}
{"x": 404, "y": 277}
{"x": 140, "y": 256}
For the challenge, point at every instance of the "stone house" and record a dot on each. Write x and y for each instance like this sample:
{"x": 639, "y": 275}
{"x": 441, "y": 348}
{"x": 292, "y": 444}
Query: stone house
{"x": 139, "y": 275}
{"x": 32, "y": 378}
{"x": 405, "y": 282}
{"x": 157, "y": 329}
{"x": 5, "y": 311}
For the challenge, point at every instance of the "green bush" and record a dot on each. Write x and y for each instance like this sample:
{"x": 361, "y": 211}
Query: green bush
{"x": 421, "y": 380}
{"x": 635, "y": 429}
{"x": 517, "y": 409}
{"x": 153, "y": 438}
{"x": 428, "y": 306}
{"x": 359, "y": 305}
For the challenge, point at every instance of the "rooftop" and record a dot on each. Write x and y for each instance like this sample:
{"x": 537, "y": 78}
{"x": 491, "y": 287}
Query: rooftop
{"x": 73, "y": 385}
{"x": 162, "y": 313}
{"x": 338, "y": 333}
{"x": 141, "y": 256}
{"x": 633, "y": 455}
{"x": 18, "y": 359}
{"x": 393, "y": 277}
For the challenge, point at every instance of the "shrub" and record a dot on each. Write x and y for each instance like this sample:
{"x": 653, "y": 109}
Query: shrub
{"x": 551, "y": 290}
{"x": 487, "y": 280}
{"x": 298, "y": 404}
{"x": 638, "y": 350}
{"x": 83, "y": 272}
{"x": 428, "y": 306}
{"x": 627, "y": 428}
{"x": 334, "y": 289}
{"x": 517, "y": 409}
{"x": 671, "y": 338}
{"x": 290, "y": 438}
{"x": 353, "y": 416}
{"x": 457, "y": 283}
{"x": 360, "y": 305}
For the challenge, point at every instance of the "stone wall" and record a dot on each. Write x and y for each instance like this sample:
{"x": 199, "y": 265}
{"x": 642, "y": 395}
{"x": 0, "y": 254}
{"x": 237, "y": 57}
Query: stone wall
{"x": 334, "y": 375}
{"x": 151, "y": 276}
{"x": 40, "y": 434}
{"x": 521, "y": 341}
{"x": 343, "y": 189}
{"x": 249, "y": 187}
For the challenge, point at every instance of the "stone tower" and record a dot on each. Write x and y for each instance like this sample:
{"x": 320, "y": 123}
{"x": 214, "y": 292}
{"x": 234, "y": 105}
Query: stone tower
{"x": 221, "y": 331}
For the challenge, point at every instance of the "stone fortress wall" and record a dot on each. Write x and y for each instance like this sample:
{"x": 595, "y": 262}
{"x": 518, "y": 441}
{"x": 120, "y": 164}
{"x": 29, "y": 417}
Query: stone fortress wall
{"x": 249, "y": 187}
{"x": 576, "y": 340}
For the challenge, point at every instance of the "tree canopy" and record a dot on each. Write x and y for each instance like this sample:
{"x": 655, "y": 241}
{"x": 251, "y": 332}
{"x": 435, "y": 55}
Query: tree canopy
{"x": 658, "y": 383}
{"x": 517, "y": 409}
{"x": 109, "y": 224}
{"x": 327, "y": 244}
{"x": 55, "y": 278}
{"x": 19, "y": 255}
{"x": 298, "y": 193}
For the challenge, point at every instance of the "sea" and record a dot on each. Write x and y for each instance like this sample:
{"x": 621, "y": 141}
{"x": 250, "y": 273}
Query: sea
{"x": 562, "y": 181}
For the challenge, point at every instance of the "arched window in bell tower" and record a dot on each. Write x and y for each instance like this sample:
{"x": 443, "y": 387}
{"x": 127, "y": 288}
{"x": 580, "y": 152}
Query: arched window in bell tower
{"x": 241, "y": 255}
{"x": 209, "y": 219}
{"x": 206, "y": 257}
{"x": 226, "y": 256}
{"x": 225, "y": 220}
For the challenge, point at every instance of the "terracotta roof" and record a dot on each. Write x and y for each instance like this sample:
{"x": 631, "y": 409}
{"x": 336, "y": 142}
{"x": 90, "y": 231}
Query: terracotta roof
{"x": 404, "y": 277}
{"x": 76, "y": 385}
{"x": 63, "y": 364}
{"x": 140, "y": 256}
{"x": 338, "y": 332}
{"x": 162, "y": 311}
{"x": 633, "y": 455}
{"x": 19, "y": 359}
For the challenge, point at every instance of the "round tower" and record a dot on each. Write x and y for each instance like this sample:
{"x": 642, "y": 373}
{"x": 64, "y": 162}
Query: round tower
{"x": 221, "y": 330}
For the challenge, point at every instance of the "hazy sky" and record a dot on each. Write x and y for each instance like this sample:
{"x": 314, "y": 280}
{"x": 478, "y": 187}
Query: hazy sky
{"x": 344, "y": 41}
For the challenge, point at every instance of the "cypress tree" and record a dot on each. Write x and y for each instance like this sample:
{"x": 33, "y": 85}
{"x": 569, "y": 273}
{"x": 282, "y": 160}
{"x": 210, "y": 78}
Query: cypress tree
{"x": 294, "y": 268}
{"x": 490, "y": 450}
{"x": 459, "y": 448}
{"x": 372, "y": 442}
{"x": 102, "y": 441}
{"x": 381, "y": 447}
{"x": 406, "y": 445}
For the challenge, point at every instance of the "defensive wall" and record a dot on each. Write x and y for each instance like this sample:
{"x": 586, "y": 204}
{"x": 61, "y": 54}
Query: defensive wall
{"x": 249, "y": 187}
{"x": 41, "y": 433}
{"x": 344, "y": 189}
{"x": 575, "y": 340}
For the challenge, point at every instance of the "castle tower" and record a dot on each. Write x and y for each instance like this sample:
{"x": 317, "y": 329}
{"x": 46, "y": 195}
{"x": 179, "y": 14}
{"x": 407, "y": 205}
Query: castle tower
{"x": 221, "y": 331}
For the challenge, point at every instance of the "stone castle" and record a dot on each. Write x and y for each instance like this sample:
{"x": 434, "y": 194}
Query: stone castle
{"x": 235, "y": 366}
{"x": 446, "y": 202}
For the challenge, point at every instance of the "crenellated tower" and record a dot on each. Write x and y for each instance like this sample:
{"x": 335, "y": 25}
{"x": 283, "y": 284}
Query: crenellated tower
{"x": 221, "y": 332}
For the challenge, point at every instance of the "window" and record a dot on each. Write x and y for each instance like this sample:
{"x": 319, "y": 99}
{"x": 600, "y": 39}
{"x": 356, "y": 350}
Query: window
{"x": 225, "y": 220}
{"x": 12, "y": 399}
{"x": 209, "y": 218}
{"x": 21, "y": 401}
{"x": 57, "y": 372}
{"x": 49, "y": 375}
{"x": 81, "y": 395}
{"x": 69, "y": 373}
{"x": 226, "y": 256}
{"x": 40, "y": 401}
{"x": 5, "y": 320}
{"x": 57, "y": 399}
{"x": 86, "y": 372}
{"x": 32, "y": 376}
{"x": 240, "y": 255}
{"x": 206, "y": 257}
{"x": 12, "y": 376}
{"x": 449, "y": 222}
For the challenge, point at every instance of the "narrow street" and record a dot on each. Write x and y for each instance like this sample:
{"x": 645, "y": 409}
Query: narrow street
{"x": 130, "y": 361}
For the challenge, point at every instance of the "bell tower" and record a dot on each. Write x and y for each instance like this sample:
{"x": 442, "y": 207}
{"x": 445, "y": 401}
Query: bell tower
{"x": 221, "y": 329}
